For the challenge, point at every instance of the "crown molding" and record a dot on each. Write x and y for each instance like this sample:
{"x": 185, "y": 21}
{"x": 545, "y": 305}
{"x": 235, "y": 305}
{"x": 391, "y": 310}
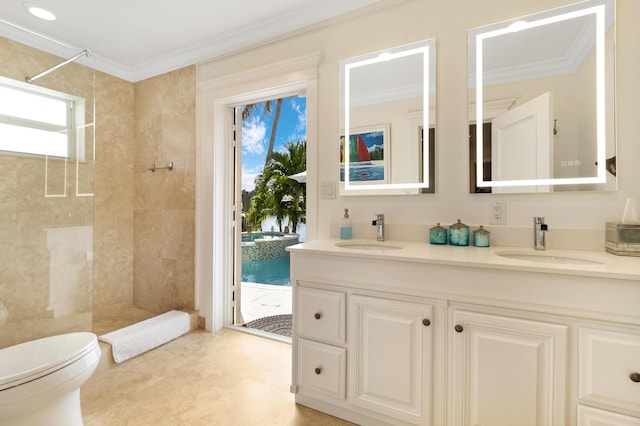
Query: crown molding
{"x": 279, "y": 28}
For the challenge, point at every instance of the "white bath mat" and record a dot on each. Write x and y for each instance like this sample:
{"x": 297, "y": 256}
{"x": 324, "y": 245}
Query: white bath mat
{"x": 143, "y": 336}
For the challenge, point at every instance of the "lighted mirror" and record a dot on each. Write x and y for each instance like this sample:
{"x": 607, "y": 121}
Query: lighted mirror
{"x": 387, "y": 133}
{"x": 541, "y": 91}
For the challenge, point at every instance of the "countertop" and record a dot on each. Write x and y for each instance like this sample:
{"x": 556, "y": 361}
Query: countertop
{"x": 564, "y": 262}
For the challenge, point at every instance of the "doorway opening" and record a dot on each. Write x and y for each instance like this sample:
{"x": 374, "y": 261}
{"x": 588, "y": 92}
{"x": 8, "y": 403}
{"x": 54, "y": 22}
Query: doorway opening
{"x": 215, "y": 170}
{"x": 270, "y": 198}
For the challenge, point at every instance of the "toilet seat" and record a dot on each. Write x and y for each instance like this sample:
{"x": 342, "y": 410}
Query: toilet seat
{"x": 32, "y": 360}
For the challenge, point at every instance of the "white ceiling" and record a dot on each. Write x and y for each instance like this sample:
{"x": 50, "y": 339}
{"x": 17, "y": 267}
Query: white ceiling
{"x": 137, "y": 39}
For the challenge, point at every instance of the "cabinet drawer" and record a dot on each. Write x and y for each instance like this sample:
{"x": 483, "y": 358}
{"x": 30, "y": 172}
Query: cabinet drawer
{"x": 588, "y": 416}
{"x": 609, "y": 368}
{"x": 321, "y": 314}
{"x": 321, "y": 368}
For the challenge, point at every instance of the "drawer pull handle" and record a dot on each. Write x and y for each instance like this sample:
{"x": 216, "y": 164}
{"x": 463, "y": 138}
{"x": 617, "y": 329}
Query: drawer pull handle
{"x": 458, "y": 328}
{"x": 318, "y": 315}
{"x": 318, "y": 370}
{"x": 426, "y": 322}
{"x": 635, "y": 377}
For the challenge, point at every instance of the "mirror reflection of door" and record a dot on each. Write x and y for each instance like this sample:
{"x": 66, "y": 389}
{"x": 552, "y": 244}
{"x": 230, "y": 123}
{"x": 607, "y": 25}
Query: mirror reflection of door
{"x": 521, "y": 140}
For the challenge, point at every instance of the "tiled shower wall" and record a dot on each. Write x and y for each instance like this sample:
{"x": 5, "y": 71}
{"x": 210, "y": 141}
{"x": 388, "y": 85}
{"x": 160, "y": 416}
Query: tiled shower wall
{"x": 164, "y": 202}
{"x": 113, "y": 227}
{"x": 144, "y": 222}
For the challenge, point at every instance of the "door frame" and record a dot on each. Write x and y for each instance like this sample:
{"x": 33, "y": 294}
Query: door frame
{"x": 236, "y": 281}
{"x": 216, "y": 98}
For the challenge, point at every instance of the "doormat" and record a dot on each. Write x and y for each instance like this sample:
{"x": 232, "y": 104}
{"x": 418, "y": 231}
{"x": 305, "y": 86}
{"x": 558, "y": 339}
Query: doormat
{"x": 276, "y": 324}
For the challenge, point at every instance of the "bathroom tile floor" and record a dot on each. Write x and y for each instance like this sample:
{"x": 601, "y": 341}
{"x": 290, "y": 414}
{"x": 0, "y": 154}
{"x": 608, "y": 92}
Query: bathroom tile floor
{"x": 223, "y": 378}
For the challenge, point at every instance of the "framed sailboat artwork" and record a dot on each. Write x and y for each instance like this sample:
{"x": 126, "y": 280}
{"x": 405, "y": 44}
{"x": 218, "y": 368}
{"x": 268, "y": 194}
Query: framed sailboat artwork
{"x": 367, "y": 152}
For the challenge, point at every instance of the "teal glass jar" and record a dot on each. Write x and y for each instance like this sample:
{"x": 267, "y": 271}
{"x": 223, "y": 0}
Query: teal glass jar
{"x": 459, "y": 234}
{"x": 481, "y": 237}
{"x": 438, "y": 235}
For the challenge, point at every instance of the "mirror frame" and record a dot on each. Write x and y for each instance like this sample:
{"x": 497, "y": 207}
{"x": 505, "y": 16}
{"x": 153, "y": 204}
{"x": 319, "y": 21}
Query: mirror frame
{"x": 428, "y": 49}
{"x": 476, "y": 38}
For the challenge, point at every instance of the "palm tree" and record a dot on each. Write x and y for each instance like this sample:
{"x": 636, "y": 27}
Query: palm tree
{"x": 274, "y": 127}
{"x": 278, "y": 195}
{"x": 248, "y": 110}
{"x": 289, "y": 163}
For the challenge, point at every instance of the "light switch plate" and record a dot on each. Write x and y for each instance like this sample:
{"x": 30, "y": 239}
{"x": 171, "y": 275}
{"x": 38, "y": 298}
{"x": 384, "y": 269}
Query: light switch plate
{"x": 327, "y": 191}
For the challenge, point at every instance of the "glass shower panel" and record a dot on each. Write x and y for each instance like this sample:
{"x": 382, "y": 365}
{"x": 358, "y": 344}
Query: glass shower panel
{"x": 46, "y": 202}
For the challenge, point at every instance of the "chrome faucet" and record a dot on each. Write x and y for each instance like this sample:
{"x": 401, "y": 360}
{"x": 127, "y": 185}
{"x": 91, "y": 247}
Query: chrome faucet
{"x": 379, "y": 224}
{"x": 539, "y": 229}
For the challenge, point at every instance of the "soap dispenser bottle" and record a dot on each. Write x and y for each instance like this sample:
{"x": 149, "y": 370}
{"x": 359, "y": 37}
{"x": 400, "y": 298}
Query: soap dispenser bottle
{"x": 346, "y": 231}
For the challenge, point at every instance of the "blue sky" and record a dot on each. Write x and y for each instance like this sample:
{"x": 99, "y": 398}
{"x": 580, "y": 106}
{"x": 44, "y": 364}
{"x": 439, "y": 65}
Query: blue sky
{"x": 256, "y": 130}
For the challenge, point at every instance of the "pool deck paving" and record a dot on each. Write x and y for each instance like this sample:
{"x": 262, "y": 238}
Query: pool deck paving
{"x": 263, "y": 300}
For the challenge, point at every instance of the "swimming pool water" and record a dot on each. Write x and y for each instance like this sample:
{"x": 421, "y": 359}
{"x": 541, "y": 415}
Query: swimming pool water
{"x": 249, "y": 237}
{"x": 271, "y": 271}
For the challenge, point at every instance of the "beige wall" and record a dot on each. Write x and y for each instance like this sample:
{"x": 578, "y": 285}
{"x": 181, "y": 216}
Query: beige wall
{"x": 144, "y": 229}
{"x": 409, "y": 21}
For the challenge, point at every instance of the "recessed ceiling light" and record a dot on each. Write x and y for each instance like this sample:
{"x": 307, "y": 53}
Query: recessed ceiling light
{"x": 39, "y": 11}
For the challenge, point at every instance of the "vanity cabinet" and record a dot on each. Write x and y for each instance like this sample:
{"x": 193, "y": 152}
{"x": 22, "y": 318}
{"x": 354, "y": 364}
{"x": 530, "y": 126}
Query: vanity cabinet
{"x": 444, "y": 336}
{"x": 390, "y": 357}
{"x": 385, "y": 362}
{"x": 498, "y": 359}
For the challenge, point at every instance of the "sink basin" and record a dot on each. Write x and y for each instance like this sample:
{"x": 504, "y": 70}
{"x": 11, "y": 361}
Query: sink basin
{"x": 548, "y": 258}
{"x": 368, "y": 246}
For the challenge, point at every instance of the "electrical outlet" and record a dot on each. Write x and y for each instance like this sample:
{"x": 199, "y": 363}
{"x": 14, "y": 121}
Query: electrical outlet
{"x": 499, "y": 213}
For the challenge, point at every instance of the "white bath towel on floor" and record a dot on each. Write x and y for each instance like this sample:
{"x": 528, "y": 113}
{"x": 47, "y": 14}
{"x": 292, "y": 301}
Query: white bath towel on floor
{"x": 143, "y": 336}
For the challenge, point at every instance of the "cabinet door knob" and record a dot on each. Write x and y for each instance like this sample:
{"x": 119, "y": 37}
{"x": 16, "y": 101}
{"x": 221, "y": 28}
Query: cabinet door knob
{"x": 635, "y": 377}
{"x": 318, "y": 370}
{"x": 318, "y": 315}
{"x": 426, "y": 322}
{"x": 458, "y": 328}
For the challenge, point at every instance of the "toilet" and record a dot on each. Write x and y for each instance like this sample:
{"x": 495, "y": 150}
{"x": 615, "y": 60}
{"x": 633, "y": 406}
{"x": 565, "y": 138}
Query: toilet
{"x": 40, "y": 380}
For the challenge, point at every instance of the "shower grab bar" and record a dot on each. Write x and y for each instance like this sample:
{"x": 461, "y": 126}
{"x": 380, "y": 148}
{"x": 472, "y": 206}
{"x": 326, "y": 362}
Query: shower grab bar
{"x": 28, "y": 79}
{"x": 153, "y": 167}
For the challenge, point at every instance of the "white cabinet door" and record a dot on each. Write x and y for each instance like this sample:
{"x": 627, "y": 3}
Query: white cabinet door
{"x": 507, "y": 371}
{"x": 390, "y": 357}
